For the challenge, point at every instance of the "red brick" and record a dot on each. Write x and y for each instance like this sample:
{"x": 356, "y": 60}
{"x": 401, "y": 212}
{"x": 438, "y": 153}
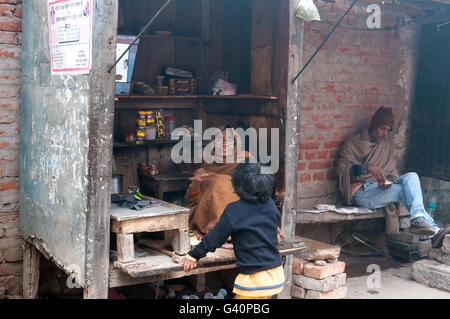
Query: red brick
{"x": 309, "y": 146}
{"x": 12, "y": 232}
{"x": 7, "y": 10}
{"x": 9, "y": 185}
{"x": 18, "y": 12}
{"x": 11, "y": 269}
{"x": 328, "y": 88}
{"x": 352, "y": 106}
{"x": 343, "y": 125}
{"x": 372, "y": 90}
{"x": 310, "y": 156}
{"x": 297, "y": 265}
{"x": 320, "y": 164}
{"x": 305, "y": 178}
{"x": 14, "y": 254}
{"x": 344, "y": 50}
{"x": 11, "y": 24}
{"x": 338, "y": 97}
{"x": 325, "y": 126}
{"x": 318, "y": 176}
{"x": 6, "y": 243}
{"x": 333, "y": 144}
{"x": 10, "y": 38}
{"x": 321, "y": 272}
{"x": 322, "y": 155}
{"x": 301, "y": 166}
{"x": 364, "y": 52}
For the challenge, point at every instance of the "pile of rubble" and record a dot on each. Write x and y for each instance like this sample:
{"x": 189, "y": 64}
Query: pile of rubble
{"x": 317, "y": 273}
{"x": 434, "y": 272}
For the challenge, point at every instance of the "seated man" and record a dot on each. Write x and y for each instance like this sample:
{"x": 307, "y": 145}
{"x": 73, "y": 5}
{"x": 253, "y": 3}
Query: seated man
{"x": 366, "y": 162}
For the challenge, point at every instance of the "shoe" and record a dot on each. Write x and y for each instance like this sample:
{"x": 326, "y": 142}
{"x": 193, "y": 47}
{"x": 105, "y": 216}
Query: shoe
{"x": 437, "y": 240}
{"x": 420, "y": 227}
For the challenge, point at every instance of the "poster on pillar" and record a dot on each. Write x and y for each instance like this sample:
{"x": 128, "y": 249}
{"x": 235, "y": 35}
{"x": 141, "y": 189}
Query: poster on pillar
{"x": 70, "y": 33}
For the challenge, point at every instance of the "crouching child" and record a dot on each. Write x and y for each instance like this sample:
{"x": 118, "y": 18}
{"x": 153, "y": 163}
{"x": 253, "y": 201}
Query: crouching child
{"x": 253, "y": 224}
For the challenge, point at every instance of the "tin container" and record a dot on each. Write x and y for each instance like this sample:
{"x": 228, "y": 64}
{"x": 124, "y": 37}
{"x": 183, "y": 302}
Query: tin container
{"x": 117, "y": 183}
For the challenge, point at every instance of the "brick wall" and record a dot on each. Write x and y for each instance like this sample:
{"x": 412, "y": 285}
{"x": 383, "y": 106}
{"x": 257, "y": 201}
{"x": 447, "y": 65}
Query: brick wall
{"x": 10, "y": 60}
{"x": 356, "y": 72}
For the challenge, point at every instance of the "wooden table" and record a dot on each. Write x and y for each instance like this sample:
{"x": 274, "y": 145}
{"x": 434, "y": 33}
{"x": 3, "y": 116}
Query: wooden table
{"x": 165, "y": 182}
{"x": 126, "y": 222}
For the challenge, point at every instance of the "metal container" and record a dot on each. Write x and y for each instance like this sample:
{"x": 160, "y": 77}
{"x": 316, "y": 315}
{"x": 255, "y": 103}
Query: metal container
{"x": 116, "y": 185}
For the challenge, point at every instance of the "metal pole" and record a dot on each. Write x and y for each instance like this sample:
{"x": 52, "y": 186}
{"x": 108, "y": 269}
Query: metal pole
{"x": 141, "y": 33}
{"x": 324, "y": 41}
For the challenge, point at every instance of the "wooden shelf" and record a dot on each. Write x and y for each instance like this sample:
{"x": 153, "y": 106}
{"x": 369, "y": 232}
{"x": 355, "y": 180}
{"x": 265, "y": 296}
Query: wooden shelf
{"x": 172, "y": 37}
{"x": 189, "y": 97}
{"x": 147, "y": 143}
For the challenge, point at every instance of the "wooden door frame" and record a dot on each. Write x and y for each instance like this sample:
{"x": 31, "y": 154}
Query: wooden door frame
{"x": 291, "y": 138}
{"x": 100, "y": 154}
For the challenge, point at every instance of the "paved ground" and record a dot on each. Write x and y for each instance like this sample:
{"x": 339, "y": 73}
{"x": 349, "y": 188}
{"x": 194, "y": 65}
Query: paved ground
{"x": 393, "y": 281}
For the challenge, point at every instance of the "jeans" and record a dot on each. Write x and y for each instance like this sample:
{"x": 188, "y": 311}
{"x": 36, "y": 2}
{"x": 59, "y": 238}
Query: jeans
{"x": 407, "y": 190}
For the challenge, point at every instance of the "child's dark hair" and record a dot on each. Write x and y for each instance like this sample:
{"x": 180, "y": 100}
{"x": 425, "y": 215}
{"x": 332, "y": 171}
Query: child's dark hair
{"x": 250, "y": 185}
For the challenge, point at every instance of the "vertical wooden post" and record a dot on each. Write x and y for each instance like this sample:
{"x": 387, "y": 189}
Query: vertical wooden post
{"x": 292, "y": 127}
{"x": 181, "y": 242}
{"x": 101, "y": 118}
{"x": 125, "y": 248}
{"x": 30, "y": 271}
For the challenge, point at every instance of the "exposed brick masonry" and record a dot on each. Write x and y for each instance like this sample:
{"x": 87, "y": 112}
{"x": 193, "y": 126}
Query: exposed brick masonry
{"x": 357, "y": 71}
{"x": 10, "y": 77}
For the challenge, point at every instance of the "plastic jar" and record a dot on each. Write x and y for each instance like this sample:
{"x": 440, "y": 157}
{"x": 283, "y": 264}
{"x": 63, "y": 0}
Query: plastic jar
{"x": 150, "y": 133}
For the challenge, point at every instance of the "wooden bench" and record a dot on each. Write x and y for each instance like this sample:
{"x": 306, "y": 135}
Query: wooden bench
{"x": 126, "y": 222}
{"x": 332, "y": 217}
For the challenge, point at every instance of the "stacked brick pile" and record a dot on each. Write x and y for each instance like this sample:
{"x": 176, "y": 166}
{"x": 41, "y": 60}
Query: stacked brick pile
{"x": 434, "y": 272}
{"x": 318, "y": 274}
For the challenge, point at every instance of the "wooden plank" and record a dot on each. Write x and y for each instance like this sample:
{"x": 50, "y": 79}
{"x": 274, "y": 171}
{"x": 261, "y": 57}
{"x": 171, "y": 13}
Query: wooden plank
{"x": 262, "y": 46}
{"x": 121, "y": 214}
{"x": 31, "y": 260}
{"x": 153, "y": 224}
{"x": 101, "y": 120}
{"x": 317, "y": 250}
{"x": 158, "y": 262}
{"x": 332, "y": 217}
{"x": 118, "y": 278}
{"x": 181, "y": 242}
{"x": 125, "y": 248}
{"x": 288, "y": 222}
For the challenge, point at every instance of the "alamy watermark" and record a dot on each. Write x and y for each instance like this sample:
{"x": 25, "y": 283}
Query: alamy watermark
{"x": 227, "y": 146}
{"x": 374, "y": 19}
{"x": 374, "y": 280}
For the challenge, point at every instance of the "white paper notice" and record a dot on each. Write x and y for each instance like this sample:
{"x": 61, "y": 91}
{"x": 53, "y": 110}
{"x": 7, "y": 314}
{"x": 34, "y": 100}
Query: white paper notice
{"x": 70, "y": 26}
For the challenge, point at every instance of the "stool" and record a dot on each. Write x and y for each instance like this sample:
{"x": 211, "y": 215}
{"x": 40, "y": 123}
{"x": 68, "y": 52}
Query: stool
{"x": 164, "y": 216}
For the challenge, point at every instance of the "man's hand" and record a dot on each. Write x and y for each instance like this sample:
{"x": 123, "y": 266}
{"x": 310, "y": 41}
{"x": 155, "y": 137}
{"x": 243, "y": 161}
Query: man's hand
{"x": 280, "y": 236}
{"x": 188, "y": 265}
{"x": 378, "y": 173}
